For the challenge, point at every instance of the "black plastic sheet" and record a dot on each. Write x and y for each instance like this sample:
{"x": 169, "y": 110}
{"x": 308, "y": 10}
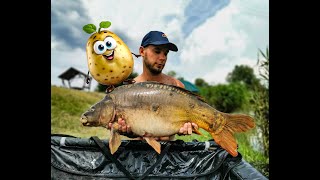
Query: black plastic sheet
{"x": 82, "y": 158}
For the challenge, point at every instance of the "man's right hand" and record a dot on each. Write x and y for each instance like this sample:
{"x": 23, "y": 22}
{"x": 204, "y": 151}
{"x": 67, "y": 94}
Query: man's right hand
{"x": 123, "y": 128}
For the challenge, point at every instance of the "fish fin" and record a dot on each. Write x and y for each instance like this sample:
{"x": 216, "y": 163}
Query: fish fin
{"x": 196, "y": 131}
{"x": 153, "y": 143}
{"x": 226, "y": 140}
{"x": 115, "y": 139}
{"x": 234, "y": 123}
{"x": 239, "y": 122}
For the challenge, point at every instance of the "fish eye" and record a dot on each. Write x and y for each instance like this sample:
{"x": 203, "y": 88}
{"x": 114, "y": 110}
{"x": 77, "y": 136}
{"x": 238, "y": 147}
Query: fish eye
{"x": 99, "y": 47}
{"x": 93, "y": 107}
{"x": 110, "y": 43}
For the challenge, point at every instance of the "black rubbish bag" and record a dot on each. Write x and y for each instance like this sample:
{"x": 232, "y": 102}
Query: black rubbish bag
{"x": 90, "y": 158}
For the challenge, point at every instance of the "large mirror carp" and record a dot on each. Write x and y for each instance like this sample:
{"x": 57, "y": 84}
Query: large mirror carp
{"x": 161, "y": 110}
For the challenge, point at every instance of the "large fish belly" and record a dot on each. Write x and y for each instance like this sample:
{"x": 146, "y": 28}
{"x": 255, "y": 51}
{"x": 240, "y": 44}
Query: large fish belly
{"x": 144, "y": 122}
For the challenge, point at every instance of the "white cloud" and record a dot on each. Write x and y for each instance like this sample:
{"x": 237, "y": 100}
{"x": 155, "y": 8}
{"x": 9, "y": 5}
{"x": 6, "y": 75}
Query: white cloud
{"x": 231, "y": 37}
{"x": 138, "y": 16}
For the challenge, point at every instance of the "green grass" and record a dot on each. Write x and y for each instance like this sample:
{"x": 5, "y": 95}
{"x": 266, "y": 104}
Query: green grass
{"x": 67, "y": 105}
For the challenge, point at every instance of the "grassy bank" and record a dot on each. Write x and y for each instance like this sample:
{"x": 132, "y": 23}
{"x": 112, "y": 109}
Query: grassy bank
{"x": 67, "y": 105}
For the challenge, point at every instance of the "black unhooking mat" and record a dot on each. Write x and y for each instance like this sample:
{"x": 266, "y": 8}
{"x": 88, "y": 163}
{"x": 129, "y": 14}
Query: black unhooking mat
{"x": 90, "y": 158}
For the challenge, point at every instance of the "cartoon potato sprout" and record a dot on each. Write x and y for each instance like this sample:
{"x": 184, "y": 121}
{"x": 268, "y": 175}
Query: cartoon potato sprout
{"x": 109, "y": 59}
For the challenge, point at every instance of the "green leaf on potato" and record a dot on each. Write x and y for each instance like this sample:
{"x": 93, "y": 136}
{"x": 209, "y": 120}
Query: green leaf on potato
{"x": 105, "y": 24}
{"x": 89, "y": 28}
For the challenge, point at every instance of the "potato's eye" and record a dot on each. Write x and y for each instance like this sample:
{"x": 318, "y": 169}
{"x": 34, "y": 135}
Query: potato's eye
{"x": 110, "y": 43}
{"x": 99, "y": 47}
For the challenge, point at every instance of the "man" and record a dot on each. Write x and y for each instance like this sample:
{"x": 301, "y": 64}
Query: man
{"x": 154, "y": 50}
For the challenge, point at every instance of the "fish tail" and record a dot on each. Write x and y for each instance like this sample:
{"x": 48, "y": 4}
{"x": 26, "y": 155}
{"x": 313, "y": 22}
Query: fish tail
{"x": 234, "y": 123}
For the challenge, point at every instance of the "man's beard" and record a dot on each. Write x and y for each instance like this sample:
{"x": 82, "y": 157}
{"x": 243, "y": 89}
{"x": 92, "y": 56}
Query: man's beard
{"x": 153, "y": 70}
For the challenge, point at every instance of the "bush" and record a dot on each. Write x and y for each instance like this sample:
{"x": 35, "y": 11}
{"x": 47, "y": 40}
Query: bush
{"x": 228, "y": 97}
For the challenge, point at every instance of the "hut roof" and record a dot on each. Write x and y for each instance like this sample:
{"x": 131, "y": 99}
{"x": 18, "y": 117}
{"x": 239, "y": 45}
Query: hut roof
{"x": 70, "y": 73}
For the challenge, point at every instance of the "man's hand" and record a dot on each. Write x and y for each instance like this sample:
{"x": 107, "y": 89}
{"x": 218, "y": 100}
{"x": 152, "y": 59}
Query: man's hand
{"x": 186, "y": 129}
{"x": 123, "y": 127}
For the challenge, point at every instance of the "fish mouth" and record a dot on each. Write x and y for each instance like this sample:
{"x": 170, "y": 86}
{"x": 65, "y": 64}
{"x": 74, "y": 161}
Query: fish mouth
{"x": 84, "y": 121}
{"x": 109, "y": 56}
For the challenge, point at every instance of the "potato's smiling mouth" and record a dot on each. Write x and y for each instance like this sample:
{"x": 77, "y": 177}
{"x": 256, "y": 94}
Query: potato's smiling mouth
{"x": 109, "y": 56}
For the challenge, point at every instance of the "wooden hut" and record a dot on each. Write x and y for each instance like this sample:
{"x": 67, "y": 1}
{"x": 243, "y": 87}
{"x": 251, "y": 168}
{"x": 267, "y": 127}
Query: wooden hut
{"x": 73, "y": 74}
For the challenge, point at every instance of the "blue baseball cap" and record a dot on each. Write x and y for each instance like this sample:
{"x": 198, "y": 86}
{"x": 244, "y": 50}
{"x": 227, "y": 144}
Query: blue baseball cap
{"x": 157, "y": 38}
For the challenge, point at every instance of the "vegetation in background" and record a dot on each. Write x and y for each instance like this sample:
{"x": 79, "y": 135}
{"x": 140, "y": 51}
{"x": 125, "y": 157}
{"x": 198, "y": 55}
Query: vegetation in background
{"x": 260, "y": 107}
{"x": 243, "y": 74}
{"x": 201, "y": 82}
{"x": 228, "y": 97}
{"x": 260, "y": 102}
{"x": 172, "y": 73}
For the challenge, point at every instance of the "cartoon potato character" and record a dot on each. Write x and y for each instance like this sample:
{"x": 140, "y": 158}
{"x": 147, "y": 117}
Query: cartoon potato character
{"x": 109, "y": 59}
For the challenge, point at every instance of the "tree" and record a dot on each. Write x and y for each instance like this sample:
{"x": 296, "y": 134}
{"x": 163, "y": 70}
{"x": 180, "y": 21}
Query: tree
{"x": 228, "y": 97}
{"x": 172, "y": 73}
{"x": 201, "y": 82}
{"x": 181, "y": 78}
{"x": 243, "y": 74}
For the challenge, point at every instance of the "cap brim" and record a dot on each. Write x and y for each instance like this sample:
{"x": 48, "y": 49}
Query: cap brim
{"x": 171, "y": 46}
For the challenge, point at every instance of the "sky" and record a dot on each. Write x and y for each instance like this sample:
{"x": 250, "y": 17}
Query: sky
{"x": 213, "y": 36}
